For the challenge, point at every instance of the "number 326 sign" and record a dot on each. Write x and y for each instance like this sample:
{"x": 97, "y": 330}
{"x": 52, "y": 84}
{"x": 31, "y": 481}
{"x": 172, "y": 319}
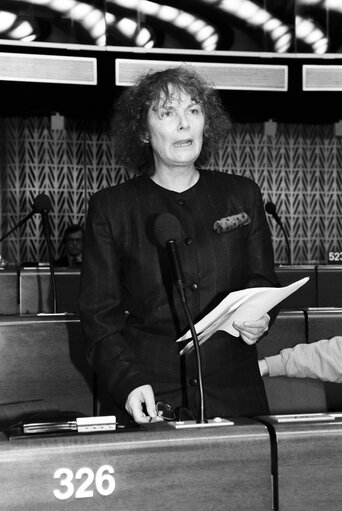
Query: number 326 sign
{"x": 84, "y": 482}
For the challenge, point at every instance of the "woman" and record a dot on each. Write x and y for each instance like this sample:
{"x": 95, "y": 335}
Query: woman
{"x": 167, "y": 126}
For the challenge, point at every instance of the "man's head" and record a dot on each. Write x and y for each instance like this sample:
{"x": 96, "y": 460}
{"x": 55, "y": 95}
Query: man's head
{"x": 73, "y": 240}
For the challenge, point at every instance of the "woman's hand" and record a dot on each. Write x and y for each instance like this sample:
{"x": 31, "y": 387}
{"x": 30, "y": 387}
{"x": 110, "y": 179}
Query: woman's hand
{"x": 134, "y": 405}
{"x": 251, "y": 331}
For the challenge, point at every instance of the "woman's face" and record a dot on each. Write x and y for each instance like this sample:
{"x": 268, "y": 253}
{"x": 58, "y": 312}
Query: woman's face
{"x": 176, "y": 130}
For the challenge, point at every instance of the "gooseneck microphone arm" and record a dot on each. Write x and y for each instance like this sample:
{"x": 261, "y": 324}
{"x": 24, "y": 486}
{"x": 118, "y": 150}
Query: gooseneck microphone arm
{"x": 43, "y": 206}
{"x": 168, "y": 232}
{"x": 180, "y": 286}
{"x": 172, "y": 248}
{"x": 46, "y": 231}
{"x": 40, "y": 201}
{"x": 289, "y": 259}
{"x": 271, "y": 210}
{"x": 202, "y": 419}
{"x": 19, "y": 224}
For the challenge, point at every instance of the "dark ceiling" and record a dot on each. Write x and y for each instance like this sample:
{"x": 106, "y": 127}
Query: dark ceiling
{"x": 240, "y": 38}
{"x": 240, "y": 25}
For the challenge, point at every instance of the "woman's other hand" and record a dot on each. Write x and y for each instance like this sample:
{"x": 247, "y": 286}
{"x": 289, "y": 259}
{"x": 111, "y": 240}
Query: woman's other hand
{"x": 251, "y": 331}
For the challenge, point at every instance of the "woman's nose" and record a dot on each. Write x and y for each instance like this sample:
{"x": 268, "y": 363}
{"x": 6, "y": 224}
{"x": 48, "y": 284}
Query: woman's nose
{"x": 183, "y": 122}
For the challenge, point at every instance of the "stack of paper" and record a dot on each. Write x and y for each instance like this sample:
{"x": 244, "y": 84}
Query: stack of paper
{"x": 245, "y": 305}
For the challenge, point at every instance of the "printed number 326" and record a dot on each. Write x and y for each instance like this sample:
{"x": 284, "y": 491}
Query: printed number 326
{"x": 103, "y": 480}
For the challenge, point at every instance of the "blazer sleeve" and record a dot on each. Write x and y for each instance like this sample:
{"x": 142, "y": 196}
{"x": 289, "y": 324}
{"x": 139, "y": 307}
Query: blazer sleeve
{"x": 260, "y": 249}
{"x": 101, "y": 309}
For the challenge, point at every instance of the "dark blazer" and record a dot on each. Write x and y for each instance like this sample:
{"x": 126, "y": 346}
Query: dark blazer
{"x": 62, "y": 262}
{"x": 65, "y": 262}
{"x": 130, "y": 311}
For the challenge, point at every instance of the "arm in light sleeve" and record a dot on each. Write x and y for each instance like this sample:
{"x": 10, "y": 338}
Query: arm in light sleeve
{"x": 102, "y": 310}
{"x": 321, "y": 359}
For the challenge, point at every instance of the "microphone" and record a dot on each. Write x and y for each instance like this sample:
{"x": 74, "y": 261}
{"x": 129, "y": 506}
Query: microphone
{"x": 41, "y": 203}
{"x": 168, "y": 232}
{"x": 270, "y": 208}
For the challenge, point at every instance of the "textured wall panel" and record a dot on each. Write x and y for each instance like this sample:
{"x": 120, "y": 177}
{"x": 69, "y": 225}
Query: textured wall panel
{"x": 298, "y": 169}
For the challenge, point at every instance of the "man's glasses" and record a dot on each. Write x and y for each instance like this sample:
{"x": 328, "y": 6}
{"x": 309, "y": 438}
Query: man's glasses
{"x": 73, "y": 240}
{"x": 165, "y": 411}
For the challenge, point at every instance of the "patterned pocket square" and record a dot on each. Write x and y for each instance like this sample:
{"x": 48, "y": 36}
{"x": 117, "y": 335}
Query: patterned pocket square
{"x": 229, "y": 223}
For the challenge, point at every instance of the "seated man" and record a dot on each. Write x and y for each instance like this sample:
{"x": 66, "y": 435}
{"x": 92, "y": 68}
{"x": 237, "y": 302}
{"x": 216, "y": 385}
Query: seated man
{"x": 321, "y": 359}
{"x": 73, "y": 245}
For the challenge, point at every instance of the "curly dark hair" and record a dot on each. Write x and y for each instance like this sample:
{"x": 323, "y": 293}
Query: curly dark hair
{"x": 129, "y": 120}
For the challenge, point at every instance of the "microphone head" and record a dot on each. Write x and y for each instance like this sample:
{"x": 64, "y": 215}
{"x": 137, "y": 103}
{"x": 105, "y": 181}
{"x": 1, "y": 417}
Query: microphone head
{"x": 42, "y": 203}
{"x": 270, "y": 208}
{"x": 167, "y": 228}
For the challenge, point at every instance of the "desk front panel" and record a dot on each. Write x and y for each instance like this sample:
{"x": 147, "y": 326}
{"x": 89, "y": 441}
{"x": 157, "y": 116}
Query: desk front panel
{"x": 309, "y": 465}
{"x": 44, "y": 359}
{"x": 223, "y": 468}
{"x": 329, "y": 285}
{"x": 8, "y": 292}
{"x": 35, "y": 291}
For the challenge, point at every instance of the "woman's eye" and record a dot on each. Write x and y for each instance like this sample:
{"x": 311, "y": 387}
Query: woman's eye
{"x": 166, "y": 113}
{"x": 195, "y": 110}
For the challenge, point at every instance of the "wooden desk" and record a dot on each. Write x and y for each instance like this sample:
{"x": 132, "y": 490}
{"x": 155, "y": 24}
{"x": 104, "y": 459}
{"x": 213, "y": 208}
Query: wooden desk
{"x": 222, "y": 468}
{"x": 35, "y": 290}
{"x": 9, "y": 291}
{"x": 43, "y": 359}
{"x": 329, "y": 285}
{"x": 307, "y": 464}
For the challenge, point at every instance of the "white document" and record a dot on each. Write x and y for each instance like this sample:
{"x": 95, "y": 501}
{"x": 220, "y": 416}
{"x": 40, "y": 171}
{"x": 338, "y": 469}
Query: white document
{"x": 245, "y": 305}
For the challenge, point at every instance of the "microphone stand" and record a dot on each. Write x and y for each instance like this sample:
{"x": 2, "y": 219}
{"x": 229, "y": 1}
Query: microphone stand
{"x": 202, "y": 419}
{"x": 288, "y": 249}
{"x": 19, "y": 224}
{"x": 271, "y": 210}
{"x": 46, "y": 231}
{"x": 42, "y": 205}
{"x": 179, "y": 283}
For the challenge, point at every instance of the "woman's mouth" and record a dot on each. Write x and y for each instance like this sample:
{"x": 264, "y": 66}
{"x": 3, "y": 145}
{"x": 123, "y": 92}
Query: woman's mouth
{"x": 183, "y": 143}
